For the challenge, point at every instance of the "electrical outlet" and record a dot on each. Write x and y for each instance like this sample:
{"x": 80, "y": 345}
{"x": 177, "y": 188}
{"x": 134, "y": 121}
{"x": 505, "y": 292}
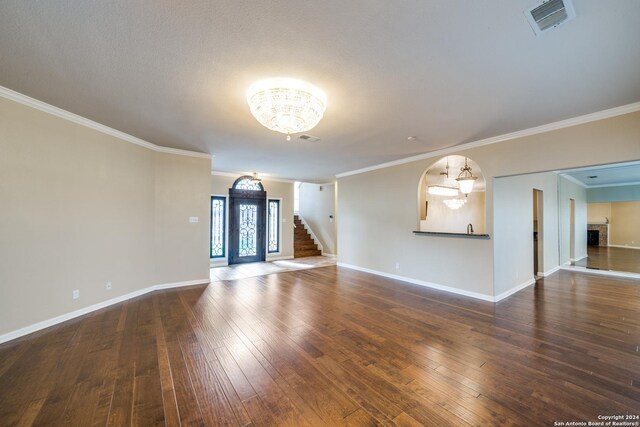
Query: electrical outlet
{"x": 193, "y": 219}
{"x": 397, "y": 266}
{"x": 108, "y": 286}
{"x": 76, "y": 294}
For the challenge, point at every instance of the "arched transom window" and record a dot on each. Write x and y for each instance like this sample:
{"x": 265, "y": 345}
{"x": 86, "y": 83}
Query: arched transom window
{"x": 247, "y": 183}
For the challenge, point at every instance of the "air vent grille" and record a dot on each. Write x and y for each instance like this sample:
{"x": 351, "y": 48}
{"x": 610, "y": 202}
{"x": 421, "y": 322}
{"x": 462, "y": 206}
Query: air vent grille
{"x": 550, "y": 14}
{"x": 309, "y": 138}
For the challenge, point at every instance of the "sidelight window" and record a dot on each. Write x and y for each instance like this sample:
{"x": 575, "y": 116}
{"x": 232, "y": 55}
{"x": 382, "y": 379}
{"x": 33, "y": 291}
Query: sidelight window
{"x": 218, "y": 227}
{"x": 274, "y": 226}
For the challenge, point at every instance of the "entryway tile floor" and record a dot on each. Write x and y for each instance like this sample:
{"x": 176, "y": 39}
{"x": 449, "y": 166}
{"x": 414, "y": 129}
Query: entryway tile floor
{"x": 240, "y": 271}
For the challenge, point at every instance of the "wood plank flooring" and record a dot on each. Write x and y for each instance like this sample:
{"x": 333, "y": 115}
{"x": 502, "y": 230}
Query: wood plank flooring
{"x": 611, "y": 258}
{"x": 332, "y": 346}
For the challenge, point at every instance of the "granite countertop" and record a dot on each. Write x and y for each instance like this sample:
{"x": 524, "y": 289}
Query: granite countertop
{"x": 443, "y": 234}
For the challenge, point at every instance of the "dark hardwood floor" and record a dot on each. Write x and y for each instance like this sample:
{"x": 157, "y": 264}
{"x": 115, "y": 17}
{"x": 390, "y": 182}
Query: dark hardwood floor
{"x": 332, "y": 346}
{"x": 610, "y": 258}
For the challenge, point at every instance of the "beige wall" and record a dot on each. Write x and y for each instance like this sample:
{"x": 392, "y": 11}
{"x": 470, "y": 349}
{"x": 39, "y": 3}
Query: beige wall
{"x": 625, "y": 224}
{"x": 597, "y": 213}
{"x": 80, "y": 208}
{"x": 441, "y": 218}
{"x": 220, "y": 184}
{"x": 316, "y": 207}
{"x": 513, "y": 228}
{"x": 375, "y": 230}
{"x": 182, "y": 191}
{"x": 568, "y": 190}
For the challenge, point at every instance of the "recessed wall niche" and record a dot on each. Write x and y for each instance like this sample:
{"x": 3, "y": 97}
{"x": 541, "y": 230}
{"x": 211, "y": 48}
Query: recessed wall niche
{"x": 441, "y": 205}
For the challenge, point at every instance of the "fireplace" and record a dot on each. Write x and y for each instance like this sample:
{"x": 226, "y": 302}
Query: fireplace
{"x": 598, "y": 234}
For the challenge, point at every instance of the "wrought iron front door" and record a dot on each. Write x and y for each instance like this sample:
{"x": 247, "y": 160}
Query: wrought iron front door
{"x": 247, "y": 230}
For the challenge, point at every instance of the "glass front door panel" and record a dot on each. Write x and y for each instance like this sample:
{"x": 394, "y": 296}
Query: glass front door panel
{"x": 247, "y": 230}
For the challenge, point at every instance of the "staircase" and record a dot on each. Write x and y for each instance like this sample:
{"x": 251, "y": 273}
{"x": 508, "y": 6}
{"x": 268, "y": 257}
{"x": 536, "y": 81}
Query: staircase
{"x": 303, "y": 244}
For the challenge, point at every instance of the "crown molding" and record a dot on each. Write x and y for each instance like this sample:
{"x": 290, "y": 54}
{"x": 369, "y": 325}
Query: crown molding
{"x": 587, "y": 118}
{"x": 574, "y": 180}
{"x": 614, "y": 185}
{"x": 263, "y": 178}
{"x": 229, "y": 174}
{"x": 59, "y": 112}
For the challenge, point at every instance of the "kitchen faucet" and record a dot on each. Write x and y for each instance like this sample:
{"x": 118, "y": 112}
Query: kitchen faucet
{"x": 470, "y": 228}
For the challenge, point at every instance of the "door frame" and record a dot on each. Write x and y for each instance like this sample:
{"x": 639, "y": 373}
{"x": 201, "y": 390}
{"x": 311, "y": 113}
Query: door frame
{"x": 259, "y": 197}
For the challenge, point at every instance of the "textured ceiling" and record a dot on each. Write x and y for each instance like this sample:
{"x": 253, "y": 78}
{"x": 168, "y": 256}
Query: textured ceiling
{"x": 451, "y": 71}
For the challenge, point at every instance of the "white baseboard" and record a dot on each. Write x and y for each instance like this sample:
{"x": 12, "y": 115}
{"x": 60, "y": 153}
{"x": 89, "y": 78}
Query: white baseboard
{"x": 471, "y": 294}
{"x": 624, "y": 247}
{"x": 514, "y": 290}
{"x": 550, "y": 272}
{"x": 279, "y": 257}
{"x": 85, "y": 310}
{"x": 580, "y": 257}
{"x": 601, "y": 272}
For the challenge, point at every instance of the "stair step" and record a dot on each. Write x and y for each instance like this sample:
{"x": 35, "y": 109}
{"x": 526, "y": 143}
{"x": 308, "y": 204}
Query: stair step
{"x": 306, "y": 253}
{"x": 306, "y": 245}
{"x": 303, "y": 243}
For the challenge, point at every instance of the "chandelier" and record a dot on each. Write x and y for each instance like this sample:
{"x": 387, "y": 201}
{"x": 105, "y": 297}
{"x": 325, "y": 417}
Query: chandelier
{"x": 286, "y": 105}
{"x": 466, "y": 179}
{"x": 448, "y": 187}
{"x": 454, "y": 203}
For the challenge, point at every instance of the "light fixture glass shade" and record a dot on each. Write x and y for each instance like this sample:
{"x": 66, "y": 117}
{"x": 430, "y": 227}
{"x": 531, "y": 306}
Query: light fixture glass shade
{"x": 286, "y": 105}
{"x": 441, "y": 190}
{"x": 466, "y": 178}
{"x": 466, "y": 184}
{"x": 454, "y": 203}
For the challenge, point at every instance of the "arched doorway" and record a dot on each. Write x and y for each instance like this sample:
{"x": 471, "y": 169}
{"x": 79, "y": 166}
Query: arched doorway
{"x": 247, "y": 222}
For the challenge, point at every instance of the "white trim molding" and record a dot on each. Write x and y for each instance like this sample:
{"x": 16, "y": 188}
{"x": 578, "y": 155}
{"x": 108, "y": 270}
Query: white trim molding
{"x": 551, "y": 271}
{"x": 624, "y": 246}
{"x": 587, "y": 118}
{"x": 512, "y": 291}
{"x": 574, "y": 180}
{"x": 278, "y": 257}
{"x": 263, "y": 177}
{"x": 458, "y": 291}
{"x": 610, "y": 273}
{"x": 59, "y": 112}
{"x": 85, "y": 310}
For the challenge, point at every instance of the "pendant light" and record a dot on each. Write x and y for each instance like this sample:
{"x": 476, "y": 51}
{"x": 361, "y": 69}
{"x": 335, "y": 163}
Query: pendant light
{"x": 446, "y": 189}
{"x": 466, "y": 179}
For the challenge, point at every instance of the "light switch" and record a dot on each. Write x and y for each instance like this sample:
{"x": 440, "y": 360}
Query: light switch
{"x": 193, "y": 219}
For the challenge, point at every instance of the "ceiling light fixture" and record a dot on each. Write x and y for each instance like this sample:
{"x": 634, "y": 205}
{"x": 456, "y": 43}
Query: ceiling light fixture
{"x": 255, "y": 179}
{"x": 286, "y": 105}
{"x": 466, "y": 179}
{"x": 447, "y": 189}
{"x": 441, "y": 190}
{"x": 454, "y": 203}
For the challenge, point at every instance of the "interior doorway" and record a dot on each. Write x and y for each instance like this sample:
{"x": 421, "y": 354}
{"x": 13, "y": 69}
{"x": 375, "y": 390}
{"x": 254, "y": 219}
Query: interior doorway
{"x": 538, "y": 234}
{"x": 572, "y": 230}
{"x": 247, "y": 221}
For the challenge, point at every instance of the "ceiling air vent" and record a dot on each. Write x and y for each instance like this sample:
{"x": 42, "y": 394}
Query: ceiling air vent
{"x": 309, "y": 138}
{"x": 549, "y": 15}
